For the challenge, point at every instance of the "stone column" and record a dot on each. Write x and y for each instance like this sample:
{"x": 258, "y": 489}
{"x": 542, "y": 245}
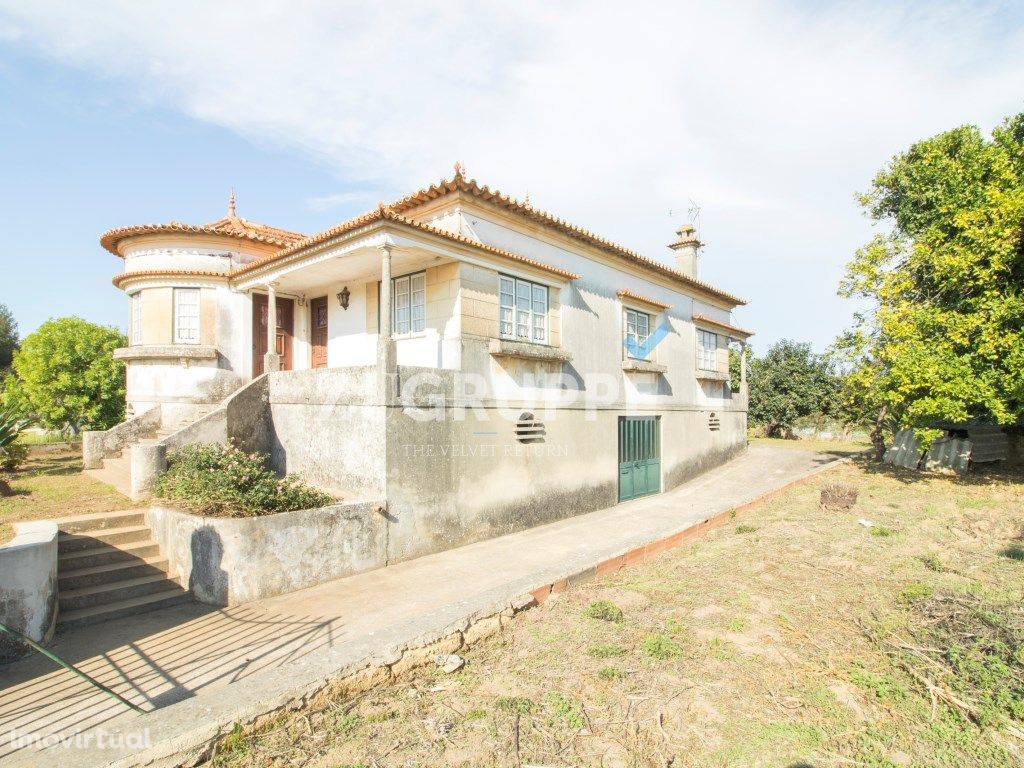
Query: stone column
{"x": 387, "y": 366}
{"x": 271, "y": 360}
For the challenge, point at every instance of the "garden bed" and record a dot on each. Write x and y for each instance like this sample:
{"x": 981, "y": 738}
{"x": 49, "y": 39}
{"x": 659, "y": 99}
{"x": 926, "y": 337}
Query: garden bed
{"x": 232, "y": 560}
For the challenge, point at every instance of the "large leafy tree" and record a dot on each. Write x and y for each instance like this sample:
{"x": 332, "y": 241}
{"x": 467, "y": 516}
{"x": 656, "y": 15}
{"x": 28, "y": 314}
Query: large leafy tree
{"x": 66, "y": 377}
{"x": 944, "y": 338}
{"x": 8, "y": 337}
{"x": 789, "y": 383}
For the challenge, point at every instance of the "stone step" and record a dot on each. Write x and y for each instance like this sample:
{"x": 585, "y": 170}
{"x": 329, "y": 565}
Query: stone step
{"x": 74, "y": 542}
{"x": 101, "y": 520}
{"x": 128, "y": 607}
{"x": 115, "y": 592}
{"x": 102, "y": 554}
{"x": 76, "y": 578}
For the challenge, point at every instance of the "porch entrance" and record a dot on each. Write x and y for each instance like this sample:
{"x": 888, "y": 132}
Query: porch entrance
{"x": 639, "y": 456}
{"x": 285, "y": 331}
{"x": 318, "y": 332}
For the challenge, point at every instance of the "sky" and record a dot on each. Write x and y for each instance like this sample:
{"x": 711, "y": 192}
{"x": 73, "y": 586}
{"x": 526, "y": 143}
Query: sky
{"x": 768, "y": 117}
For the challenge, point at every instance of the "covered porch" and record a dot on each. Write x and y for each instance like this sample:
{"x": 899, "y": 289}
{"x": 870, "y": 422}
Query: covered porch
{"x": 331, "y": 312}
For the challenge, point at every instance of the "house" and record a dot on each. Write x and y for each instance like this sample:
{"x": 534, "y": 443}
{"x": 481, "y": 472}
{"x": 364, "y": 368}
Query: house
{"x": 475, "y": 364}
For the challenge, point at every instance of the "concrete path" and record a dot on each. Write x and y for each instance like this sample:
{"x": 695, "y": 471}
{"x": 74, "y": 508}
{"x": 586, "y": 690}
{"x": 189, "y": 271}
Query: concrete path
{"x": 195, "y": 668}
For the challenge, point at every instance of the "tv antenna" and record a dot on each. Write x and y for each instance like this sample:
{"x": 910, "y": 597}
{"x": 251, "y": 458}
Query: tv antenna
{"x": 692, "y": 214}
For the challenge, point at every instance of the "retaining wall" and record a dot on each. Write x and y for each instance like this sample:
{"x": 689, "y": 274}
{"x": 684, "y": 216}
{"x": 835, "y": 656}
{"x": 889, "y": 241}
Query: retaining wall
{"x": 28, "y": 585}
{"x": 233, "y": 560}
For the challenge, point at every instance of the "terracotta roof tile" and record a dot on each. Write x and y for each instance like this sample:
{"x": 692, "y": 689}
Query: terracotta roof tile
{"x": 460, "y": 183}
{"x": 230, "y": 226}
{"x": 625, "y": 293}
{"x": 698, "y": 318}
{"x": 384, "y": 213}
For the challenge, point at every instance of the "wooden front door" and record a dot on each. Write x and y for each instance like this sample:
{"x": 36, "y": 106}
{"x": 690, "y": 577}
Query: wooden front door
{"x": 285, "y": 330}
{"x": 639, "y": 456}
{"x": 318, "y": 332}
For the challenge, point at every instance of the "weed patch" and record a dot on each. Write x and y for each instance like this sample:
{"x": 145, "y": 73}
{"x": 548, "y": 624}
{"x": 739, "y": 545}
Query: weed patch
{"x": 604, "y": 610}
{"x": 661, "y": 647}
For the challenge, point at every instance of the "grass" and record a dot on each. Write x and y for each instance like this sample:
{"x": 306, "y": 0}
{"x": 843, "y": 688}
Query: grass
{"x": 52, "y": 485}
{"x": 807, "y": 644}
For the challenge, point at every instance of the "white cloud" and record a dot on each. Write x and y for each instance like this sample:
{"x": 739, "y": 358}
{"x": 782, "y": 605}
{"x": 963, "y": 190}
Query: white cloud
{"x": 769, "y": 115}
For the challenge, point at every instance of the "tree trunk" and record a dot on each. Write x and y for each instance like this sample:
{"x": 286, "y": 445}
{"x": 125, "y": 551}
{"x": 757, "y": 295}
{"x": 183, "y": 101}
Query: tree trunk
{"x": 877, "y": 436}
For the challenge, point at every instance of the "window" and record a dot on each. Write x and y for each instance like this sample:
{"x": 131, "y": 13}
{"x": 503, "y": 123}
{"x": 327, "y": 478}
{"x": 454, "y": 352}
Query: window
{"x": 409, "y": 304}
{"x": 135, "y": 323}
{"x": 637, "y": 331}
{"x": 707, "y": 350}
{"x": 523, "y": 310}
{"x": 186, "y": 315}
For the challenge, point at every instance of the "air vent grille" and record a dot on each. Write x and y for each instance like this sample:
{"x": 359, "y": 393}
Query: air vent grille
{"x": 529, "y": 430}
{"x": 714, "y": 423}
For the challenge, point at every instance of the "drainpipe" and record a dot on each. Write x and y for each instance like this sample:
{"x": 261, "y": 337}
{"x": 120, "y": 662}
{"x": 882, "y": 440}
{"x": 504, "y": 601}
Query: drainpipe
{"x": 387, "y": 364}
{"x": 271, "y": 360}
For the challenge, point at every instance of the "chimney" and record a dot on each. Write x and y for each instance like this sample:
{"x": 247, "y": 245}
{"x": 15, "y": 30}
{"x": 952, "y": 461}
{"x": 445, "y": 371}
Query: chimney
{"x": 687, "y": 249}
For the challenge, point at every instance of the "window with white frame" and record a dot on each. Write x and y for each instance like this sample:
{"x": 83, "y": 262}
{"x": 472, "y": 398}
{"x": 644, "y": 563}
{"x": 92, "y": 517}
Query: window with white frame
{"x": 636, "y": 330}
{"x": 707, "y": 350}
{"x": 186, "y": 315}
{"x": 523, "y": 310}
{"x": 409, "y": 304}
{"x": 135, "y": 301}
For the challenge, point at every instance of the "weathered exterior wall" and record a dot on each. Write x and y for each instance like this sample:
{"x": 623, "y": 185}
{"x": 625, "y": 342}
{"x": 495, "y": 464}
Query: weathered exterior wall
{"x": 28, "y": 585}
{"x": 466, "y": 477}
{"x": 327, "y": 428}
{"x": 227, "y": 561}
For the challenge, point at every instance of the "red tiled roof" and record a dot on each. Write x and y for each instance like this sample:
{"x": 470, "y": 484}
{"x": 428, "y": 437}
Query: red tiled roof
{"x": 705, "y": 320}
{"x": 625, "y": 293}
{"x": 229, "y": 226}
{"x": 460, "y": 183}
{"x": 384, "y": 213}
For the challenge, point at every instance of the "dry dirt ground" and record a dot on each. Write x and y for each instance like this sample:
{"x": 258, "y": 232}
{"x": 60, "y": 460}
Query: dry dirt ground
{"x": 52, "y": 485}
{"x": 792, "y": 636}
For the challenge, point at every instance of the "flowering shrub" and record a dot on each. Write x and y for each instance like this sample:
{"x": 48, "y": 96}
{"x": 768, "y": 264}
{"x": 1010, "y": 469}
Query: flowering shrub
{"x": 225, "y": 481}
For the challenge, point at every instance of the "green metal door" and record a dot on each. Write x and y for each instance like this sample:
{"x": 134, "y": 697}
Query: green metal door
{"x": 639, "y": 456}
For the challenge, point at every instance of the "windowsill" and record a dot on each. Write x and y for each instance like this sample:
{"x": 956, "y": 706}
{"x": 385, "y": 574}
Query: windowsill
{"x": 712, "y": 375}
{"x": 166, "y": 352}
{"x": 633, "y": 365}
{"x": 402, "y": 336}
{"x": 528, "y": 350}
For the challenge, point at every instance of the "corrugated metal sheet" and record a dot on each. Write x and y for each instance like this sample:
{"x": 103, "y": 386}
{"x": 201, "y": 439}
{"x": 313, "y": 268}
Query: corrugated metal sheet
{"x": 990, "y": 443}
{"x": 905, "y": 450}
{"x": 949, "y": 453}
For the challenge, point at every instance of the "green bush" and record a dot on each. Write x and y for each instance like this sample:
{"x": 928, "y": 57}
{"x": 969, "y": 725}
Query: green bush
{"x": 225, "y": 481}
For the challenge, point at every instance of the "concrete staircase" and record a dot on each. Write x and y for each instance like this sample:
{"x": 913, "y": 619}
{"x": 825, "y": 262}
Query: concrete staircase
{"x": 109, "y": 566}
{"x": 117, "y": 468}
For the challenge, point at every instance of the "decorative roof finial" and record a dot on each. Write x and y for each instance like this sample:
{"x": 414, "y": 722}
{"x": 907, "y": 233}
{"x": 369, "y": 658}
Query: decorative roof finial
{"x": 231, "y": 204}
{"x": 460, "y": 169}
{"x": 526, "y": 200}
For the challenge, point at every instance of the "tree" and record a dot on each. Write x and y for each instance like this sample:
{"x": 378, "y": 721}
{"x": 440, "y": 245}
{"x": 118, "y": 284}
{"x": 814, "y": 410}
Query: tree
{"x": 789, "y": 383}
{"x": 8, "y": 337}
{"x": 65, "y": 375}
{"x": 944, "y": 338}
